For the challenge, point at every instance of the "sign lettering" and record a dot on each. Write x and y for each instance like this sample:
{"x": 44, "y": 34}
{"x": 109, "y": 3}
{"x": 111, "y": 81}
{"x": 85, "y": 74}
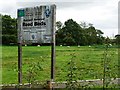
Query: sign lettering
{"x": 36, "y": 24}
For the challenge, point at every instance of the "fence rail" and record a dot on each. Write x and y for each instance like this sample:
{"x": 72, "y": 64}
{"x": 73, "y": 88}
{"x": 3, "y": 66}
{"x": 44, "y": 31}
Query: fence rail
{"x": 63, "y": 84}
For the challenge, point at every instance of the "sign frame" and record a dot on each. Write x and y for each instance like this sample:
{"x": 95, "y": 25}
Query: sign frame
{"x": 20, "y": 19}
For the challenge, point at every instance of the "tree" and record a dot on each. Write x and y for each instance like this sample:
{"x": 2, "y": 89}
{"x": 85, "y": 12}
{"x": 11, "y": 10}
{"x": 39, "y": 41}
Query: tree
{"x": 100, "y": 38}
{"x": 68, "y": 39}
{"x": 83, "y": 25}
{"x": 91, "y": 35}
{"x": 59, "y": 25}
{"x": 9, "y": 30}
{"x": 71, "y": 33}
{"x": 117, "y": 40}
{"x": 59, "y": 36}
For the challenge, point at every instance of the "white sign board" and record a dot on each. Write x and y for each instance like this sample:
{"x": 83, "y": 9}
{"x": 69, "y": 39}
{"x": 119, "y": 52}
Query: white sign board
{"x": 36, "y": 24}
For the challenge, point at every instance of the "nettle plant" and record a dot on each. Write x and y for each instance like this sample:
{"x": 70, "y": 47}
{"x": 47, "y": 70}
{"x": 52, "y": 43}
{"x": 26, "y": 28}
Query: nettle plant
{"x": 106, "y": 67}
{"x": 74, "y": 77}
{"x": 72, "y": 73}
{"x": 33, "y": 72}
{"x": 108, "y": 73}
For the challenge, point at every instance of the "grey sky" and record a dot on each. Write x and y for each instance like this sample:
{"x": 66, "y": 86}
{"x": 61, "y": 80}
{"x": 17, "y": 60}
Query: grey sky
{"x": 102, "y": 14}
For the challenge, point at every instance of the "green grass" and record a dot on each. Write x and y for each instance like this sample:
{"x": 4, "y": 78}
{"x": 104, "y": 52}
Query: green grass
{"x": 88, "y": 60}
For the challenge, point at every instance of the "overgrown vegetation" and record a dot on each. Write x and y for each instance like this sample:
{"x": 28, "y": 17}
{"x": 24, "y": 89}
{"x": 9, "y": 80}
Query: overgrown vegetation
{"x": 106, "y": 64}
{"x": 87, "y": 59}
{"x": 107, "y": 75}
{"x": 71, "y": 77}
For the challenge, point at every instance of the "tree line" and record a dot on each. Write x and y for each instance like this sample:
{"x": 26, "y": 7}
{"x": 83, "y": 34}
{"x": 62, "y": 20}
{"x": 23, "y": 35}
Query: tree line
{"x": 72, "y": 33}
{"x": 69, "y": 33}
{"x": 9, "y": 30}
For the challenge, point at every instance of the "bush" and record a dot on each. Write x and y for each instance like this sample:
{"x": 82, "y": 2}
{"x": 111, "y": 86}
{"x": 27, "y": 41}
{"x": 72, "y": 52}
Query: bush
{"x": 9, "y": 39}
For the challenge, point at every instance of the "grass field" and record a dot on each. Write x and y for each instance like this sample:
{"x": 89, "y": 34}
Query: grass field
{"x": 88, "y": 61}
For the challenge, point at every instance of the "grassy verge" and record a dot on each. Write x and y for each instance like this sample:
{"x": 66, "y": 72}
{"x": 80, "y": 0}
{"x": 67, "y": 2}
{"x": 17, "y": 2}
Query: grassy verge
{"x": 88, "y": 60}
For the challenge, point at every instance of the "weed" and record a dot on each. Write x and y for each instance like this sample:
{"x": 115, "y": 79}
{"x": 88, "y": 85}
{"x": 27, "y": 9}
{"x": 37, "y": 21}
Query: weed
{"x": 32, "y": 73}
{"x": 71, "y": 74}
{"x": 107, "y": 68}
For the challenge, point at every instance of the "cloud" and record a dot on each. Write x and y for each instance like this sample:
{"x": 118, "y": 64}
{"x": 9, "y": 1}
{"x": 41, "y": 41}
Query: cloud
{"x": 8, "y": 7}
{"x": 62, "y": 4}
{"x": 103, "y": 14}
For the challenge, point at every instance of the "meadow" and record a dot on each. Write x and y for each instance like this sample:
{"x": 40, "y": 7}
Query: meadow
{"x": 37, "y": 62}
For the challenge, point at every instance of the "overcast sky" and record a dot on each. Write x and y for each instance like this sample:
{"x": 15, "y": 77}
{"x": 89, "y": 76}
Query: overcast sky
{"x": 103, "y": 14}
